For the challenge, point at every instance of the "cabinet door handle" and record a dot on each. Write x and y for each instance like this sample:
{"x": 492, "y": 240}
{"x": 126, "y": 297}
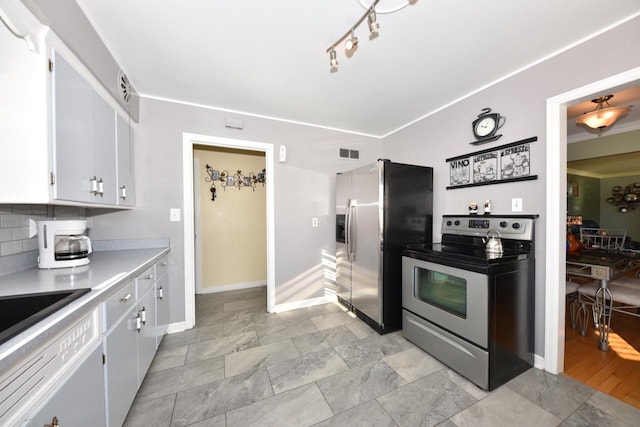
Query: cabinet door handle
{"x": 94, "y": 185}
{"x": 143, "y": 316}
{"x": 123, "y": 192}
{"x": 126, "y": 298}
{"x": 100, "y": 187}
{"x": 160, "y": 292}
{"x": 148, "y": 277}
{"x": 138, "y": 324}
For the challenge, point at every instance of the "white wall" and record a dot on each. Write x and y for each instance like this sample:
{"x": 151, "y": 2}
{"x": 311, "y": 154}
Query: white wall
{"x": 304, "y": 189}
{"x": 522, "y": 99}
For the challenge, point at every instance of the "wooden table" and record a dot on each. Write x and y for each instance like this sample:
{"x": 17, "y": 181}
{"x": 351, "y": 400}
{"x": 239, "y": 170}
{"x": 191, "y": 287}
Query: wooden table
{"x": 602, "y": 266}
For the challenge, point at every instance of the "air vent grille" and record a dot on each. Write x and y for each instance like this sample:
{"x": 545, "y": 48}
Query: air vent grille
{"x": 124, "y": 87}
{"x": 345, "y": 153}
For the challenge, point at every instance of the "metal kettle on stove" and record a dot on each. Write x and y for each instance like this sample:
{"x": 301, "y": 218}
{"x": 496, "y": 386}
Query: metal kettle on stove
{"x": 493, "y": 244}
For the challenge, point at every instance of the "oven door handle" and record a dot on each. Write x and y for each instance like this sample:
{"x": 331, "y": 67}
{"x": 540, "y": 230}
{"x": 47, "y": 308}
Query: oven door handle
{"x": 352, "y": 230}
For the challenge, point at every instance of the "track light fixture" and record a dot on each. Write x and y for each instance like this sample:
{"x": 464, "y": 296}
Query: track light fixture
{"x": 373, "y": 24}
{"x": 351, "y": 42}
{"x": 350, "y": 39}
{"x": 333, "y": 61}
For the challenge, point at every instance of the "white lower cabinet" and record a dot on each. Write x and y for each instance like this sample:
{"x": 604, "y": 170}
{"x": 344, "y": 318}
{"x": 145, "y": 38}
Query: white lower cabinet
{"x": 146, "y": 334}
{"x": 130, "y": 343}
{"x": 71, "y": 404}
{"x": 162, "y": 299}
{"x": 121, "y": 368}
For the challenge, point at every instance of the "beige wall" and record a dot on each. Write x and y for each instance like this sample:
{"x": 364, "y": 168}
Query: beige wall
{"x": 233, "y": 227}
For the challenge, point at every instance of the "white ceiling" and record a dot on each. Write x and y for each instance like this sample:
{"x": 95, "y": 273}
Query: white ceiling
{"x": 268, "y": 58}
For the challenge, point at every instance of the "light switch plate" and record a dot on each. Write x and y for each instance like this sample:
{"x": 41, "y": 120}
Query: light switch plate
{"x": 174, "y": 215}
{"x": 516, "y": 204}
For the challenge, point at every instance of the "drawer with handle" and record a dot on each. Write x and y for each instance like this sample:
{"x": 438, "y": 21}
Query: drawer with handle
{"x": 161, "y": 267}
{"x": 118, "y": 304}
{"x": 145, "y": 281}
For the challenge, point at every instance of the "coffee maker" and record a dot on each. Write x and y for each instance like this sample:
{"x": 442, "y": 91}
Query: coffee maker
{"x": 63, "y": 243}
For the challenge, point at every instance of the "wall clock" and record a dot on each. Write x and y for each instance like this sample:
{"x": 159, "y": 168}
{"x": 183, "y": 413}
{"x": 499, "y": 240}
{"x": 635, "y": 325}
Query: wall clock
{"x": 486, "y": 126}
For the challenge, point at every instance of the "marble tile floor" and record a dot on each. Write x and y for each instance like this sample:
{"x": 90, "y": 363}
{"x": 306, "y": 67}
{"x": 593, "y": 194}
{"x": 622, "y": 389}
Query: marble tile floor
{"x": 319, "y": 366}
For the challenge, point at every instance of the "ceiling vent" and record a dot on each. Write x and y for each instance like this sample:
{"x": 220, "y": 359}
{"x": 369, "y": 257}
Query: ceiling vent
{"x": 124, "y": 87}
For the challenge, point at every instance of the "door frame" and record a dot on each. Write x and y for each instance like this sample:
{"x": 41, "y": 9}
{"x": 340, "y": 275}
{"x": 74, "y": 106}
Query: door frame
{"x": 188, "y": 142}
{"x": 556, "y": 201}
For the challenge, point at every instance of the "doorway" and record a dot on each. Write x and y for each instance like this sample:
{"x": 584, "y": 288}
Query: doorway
{"x": 555, "y": 229}
{"x": 188, "y": 143}
{"x": 229, "y": 214}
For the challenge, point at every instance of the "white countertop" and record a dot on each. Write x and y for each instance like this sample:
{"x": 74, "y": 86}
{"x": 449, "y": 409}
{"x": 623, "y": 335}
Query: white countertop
{"x": 107, "y": 272}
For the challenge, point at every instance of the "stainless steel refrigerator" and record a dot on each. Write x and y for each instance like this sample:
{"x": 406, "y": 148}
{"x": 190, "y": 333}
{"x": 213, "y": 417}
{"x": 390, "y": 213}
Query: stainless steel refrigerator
{"x": 380, "y": 208}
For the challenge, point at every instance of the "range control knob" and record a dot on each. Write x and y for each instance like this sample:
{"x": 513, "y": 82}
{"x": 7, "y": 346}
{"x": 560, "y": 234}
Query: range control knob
{"x": 516, "y": 225}
{"x": 504, "y": 224}
{"x": 457, "y": 222}
{"x": 449, "y": 223}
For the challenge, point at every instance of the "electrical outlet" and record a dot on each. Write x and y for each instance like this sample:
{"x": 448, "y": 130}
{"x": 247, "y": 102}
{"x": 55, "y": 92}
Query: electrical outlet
{"x": 314, "y": 222}
{"x": 174, "y": 215}
{"x": 516, "y": 205}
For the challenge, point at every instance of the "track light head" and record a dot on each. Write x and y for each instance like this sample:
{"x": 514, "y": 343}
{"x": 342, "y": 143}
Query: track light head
{"x": 351, "y": 43}
{"x": 374, "y": 26}
{"x": 333, "y": 61}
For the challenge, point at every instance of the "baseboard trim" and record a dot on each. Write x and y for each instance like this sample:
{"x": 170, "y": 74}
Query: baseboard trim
{"x": 538, "y": 362}
{"x": 279, "y": 308}
{"x": 232, "y": 287}
{"x": 176, "y": 327}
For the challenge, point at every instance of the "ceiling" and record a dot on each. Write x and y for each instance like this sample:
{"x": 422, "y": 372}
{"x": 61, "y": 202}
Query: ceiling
{"x": 607, "y": 166}
{"x": 269, "y": 59}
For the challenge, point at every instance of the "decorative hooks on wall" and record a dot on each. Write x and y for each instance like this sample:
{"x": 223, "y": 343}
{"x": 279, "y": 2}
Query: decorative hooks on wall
{"x": 237, "y": 180}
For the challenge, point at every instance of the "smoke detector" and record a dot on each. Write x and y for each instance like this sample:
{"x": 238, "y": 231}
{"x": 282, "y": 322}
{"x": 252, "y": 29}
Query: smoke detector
{"x": 124, "y": 87}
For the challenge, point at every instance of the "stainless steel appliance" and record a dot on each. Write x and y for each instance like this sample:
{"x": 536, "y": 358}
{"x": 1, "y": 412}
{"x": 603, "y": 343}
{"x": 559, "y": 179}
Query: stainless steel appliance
{"x": 63, "y": 243}
{"x": 380, "y": 209}
{"x": 472, "y": 308}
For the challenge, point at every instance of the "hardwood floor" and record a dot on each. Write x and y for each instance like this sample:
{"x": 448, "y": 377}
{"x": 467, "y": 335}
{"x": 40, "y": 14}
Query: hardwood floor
{"x": 616, "y": 372}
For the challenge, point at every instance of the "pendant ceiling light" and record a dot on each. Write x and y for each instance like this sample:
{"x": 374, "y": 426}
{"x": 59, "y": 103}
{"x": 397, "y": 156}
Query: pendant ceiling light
{"x": 602, "y": 117}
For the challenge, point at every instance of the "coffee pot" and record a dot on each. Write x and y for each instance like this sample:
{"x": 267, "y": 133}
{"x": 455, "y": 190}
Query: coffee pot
{"x": 493, "y": 244}
{"x": 63, "y": 243}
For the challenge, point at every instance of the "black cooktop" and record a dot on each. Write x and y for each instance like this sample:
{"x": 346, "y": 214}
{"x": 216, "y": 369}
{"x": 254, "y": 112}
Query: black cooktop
{"x": 465, "y": 254}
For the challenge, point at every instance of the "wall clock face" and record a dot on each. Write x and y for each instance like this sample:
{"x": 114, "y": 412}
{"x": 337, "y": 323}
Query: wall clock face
{"x": 486, "y": 126}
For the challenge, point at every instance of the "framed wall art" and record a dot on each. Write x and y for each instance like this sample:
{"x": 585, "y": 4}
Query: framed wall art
{"x": 506, "y": 163}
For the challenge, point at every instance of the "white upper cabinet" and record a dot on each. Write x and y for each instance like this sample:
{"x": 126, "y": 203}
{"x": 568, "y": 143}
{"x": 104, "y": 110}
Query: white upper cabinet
{"x": 24, "y": 116}
{"x": 58, "y": 132}
{"x": 84, "y": 166}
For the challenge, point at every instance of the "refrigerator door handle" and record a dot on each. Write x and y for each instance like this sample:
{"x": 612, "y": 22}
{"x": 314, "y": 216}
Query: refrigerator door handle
{"x": 347, "y": 229}
{"x": 353, "y": 227}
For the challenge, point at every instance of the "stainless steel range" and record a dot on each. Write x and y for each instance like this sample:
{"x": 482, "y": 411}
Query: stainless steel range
{"x": 469, "y": 300}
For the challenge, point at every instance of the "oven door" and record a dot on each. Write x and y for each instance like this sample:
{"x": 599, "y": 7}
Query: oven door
{"x": 452, "y": 298}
